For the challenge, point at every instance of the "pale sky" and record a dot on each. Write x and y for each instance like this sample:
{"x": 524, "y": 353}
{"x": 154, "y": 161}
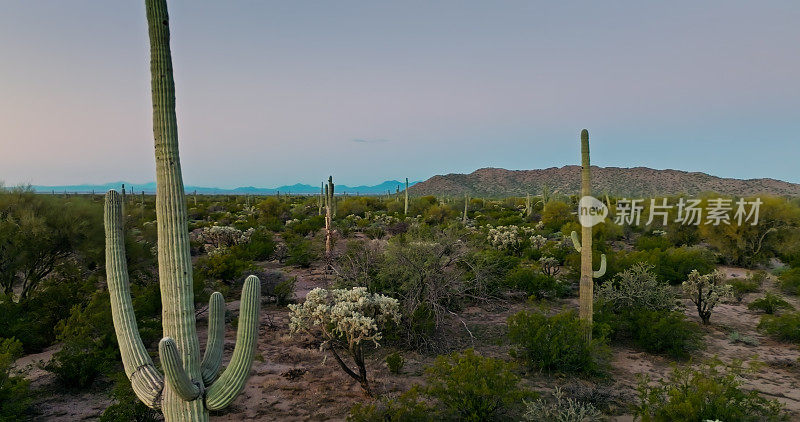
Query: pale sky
{"x": 272, "y": 93}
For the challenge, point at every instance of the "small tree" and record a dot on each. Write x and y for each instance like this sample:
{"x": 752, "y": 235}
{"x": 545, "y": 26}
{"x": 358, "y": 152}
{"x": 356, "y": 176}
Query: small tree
{"x": 706, "y": 291}
{"x": 344, "y": 319}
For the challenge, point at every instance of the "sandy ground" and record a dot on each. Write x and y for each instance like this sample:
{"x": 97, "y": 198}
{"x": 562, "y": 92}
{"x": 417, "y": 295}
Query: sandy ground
{"x": 292, "y": 380}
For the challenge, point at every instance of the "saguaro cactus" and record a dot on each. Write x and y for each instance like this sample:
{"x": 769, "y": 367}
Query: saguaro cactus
{"x": 466, "y": 207}
{"x": 189, "y": 387}
{"x": 330, "y": 203}
{"x": 405, "y": 209}
{"x": 586, "y": 292}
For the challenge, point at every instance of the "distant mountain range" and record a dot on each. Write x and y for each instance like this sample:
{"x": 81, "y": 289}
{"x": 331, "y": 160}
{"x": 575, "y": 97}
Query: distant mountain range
{"x": 297, "y": 188}
{"x": 631, "y": 182}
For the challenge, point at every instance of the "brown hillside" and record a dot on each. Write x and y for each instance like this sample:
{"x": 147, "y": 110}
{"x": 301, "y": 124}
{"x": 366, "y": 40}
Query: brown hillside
{"x": 637, "y": 181}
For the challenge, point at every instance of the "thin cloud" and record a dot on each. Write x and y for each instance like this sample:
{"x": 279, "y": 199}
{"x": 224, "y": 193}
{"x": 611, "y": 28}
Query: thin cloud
{"x": 370, "y": 141}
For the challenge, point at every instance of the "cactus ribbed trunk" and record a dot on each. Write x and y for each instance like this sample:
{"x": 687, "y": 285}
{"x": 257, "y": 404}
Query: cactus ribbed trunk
{"x": 405, "y": 209}
{"x": 586, "y": 295}
{"x": 174, "y": 259}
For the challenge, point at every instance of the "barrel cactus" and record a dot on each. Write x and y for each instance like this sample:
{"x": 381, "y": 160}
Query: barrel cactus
{"x": 586, "y": 290}
{"x": 190, "y": 386}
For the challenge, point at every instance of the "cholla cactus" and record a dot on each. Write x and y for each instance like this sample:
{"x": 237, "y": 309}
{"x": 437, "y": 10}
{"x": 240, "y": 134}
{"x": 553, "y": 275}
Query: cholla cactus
{"x": 220, "y": 238}
{"x": 538, "y": 241}
{"x": 706, "y": 291}
{"x": 189, "y": 387}
{"x": 549, "y": 265}
{"x": 507, "y": 237}
{"x": 345, "y": 319}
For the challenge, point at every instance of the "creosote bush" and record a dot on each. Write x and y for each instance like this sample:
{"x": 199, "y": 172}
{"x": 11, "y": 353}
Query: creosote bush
{"x": 557, "y": 343}
{"x": 784, "y": 327}
{"x": 712, "y": 392}
{"x": 769, "y": 303}
{"x": 790, "y": 281}
{"x": 14, "y": 394}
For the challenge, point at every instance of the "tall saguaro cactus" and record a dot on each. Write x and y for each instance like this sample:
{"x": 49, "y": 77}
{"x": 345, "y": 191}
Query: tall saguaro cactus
{"x": 405, "y": 209}
{"x": 330, "y": 203}
{"x": 190, "y": 387}
{"x": 586, "y": 292}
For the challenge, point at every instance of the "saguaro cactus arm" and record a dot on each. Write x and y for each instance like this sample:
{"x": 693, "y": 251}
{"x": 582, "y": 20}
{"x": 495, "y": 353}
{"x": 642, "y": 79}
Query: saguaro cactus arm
{"x": 576, "y": 243}
{"x": 174, "y": 373}
{"x": 232, "y": 380}
{"x": 212, "y": 359}
{"x": 145, "y": 379}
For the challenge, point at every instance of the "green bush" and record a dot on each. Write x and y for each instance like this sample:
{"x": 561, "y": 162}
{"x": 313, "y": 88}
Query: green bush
{"x": 226, "y": 267}
{"x": 742, "y": 286}
{"x": 260, "y": 247}
{"x": 299, "y": 251}
{"x": 557, "y": 343}
{"x": 672, "y": 265}
{"x": 769, "y": 303}
{"x": 127, "y": 406}
{"x": 645, "y": 243}
{"x": 407, "y": 407}
{"x": 790, "y": 281}
{"x": 637, "y": 288}
{"x": 395, "y": 362}
{"x": 14, "y": 395}
{"x": 472, "y": 387}
{"x": 535, "y": 283}
{"x": 784, "y": 327}
{"x": 665, "y": 332}
{"x": 712, "y": 392}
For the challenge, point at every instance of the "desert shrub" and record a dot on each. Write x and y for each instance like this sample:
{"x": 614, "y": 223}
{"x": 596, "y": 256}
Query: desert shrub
{"x": 260, "y": 247}
{"x": 471, "y": 387}
{"x": 712, "y": 392}
{"x": 407, "y": 407}
{"x": 535, "y": 283}
{"x": 395, "y": 362}
{"x": 742, "y": 286}
{"x": 664, "y": 332}
{"x": 226, "y": 267}
{"x": 563, "y": 409}
{"x": 299, "y": 251}
{"x": 555, "y": 214}
{"x": 14, "y": 394}
{"x": 344, "y": 320}
{"x": 790, "y": 281}
{"x": 485, "y": 270}
{"x": 557, "y": 343}
{"x": 275, "y": 285}
{"x": 375, "y": 231}
{"x": 784, "y": 327}
{"x": 645, "y": 243}
{"x": 637, "y": 288}
{"x": 126, "y": 406}
{"x": 89, "y": 349}
{"x": 672, "y": 265}
{"x": 736, "y": 337}
{"x": 769, "y": 303}
{"x": 706, "y": 291}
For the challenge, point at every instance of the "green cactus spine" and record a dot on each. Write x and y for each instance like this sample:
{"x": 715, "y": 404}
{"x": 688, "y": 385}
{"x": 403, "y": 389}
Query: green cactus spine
{"x": 586, "y": 290}
{"x": 187, "y": 390}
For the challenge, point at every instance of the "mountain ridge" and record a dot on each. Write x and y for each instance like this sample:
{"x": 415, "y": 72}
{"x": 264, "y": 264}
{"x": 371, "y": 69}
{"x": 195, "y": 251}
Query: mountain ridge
{"x": 297, "y": 188}
{"x": 617, "y": 181}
